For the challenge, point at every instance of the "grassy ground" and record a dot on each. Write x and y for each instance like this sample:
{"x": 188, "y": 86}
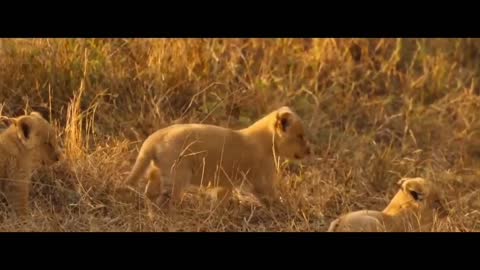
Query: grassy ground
{"x": 376, "y": 110}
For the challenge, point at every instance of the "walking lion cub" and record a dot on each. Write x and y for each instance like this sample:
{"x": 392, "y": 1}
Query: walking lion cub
{"x": 413, "y": 207}
{"x": 27, "y": 142}
{"x": 199, "y": 154}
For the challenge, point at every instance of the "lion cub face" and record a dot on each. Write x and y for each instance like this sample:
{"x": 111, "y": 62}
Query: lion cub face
{"x": 37, "y": 135}
{"x": 290, "y": 139}
{"x": 420, "y": 195}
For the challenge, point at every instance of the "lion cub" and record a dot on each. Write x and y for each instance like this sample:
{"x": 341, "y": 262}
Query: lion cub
{"x": 415, "y": 205}
{"x": 27, "y": 142}
{"x": 199, "y": 154}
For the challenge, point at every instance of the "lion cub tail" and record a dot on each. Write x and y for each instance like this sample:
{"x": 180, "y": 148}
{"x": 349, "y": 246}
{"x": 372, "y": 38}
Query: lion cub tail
{"x": 142, "y": 162}
{"x": 333, "y": 226}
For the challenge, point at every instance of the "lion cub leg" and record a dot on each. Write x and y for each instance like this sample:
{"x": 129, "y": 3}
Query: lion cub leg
{"x": 164, "y": 188}
{"x": 153, "y": 189}
{"x": 17, "y": 194}
{"x": 266, "y": 193}
{"x": 174, "y": 189}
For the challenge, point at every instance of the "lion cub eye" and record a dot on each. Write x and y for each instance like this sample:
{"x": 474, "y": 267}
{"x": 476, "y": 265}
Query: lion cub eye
{"x": 300, "y": 136}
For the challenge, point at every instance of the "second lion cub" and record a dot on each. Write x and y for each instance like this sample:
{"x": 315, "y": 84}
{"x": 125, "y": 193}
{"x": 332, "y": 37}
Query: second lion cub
{"x": 200, "y": 154}
{"x": 28, "y": 142}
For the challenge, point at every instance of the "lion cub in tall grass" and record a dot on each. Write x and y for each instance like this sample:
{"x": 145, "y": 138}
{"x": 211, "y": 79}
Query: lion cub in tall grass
{"x": 27, "y": 142}
{"x": 200, "y": 154}
{"x": 413, "y": 207}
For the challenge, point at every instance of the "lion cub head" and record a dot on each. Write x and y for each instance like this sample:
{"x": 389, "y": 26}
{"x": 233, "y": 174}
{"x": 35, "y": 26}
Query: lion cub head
{"x": 290, "y": 140}
{"x": 419, "y": 195}
{"x": 37, "y": 135}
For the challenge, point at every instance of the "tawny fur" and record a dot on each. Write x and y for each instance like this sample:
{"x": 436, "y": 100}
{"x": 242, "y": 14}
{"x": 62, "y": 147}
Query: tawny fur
{"x": 198, "y": 154}
{"x": 27, "y": 143}
{"x": 413, "y": 207}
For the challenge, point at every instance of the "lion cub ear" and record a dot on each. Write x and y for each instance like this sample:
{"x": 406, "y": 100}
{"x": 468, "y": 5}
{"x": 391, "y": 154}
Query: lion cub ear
{"x": 401, "y": 181}
{"x": 284, "y": 118}
{"x": 7, "y": 121}
{"x": 39, "y": 115}
{"x": 36, "y": 114}
{"x": 416, "y": 190}
{"x": 24, "y": 129}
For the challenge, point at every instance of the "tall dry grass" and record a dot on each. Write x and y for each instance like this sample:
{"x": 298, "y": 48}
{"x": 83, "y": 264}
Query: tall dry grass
{"x": 376, "y": 110}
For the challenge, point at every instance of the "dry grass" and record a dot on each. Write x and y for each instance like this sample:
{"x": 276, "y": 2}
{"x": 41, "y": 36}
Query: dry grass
{"x": 377, "y": 110}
